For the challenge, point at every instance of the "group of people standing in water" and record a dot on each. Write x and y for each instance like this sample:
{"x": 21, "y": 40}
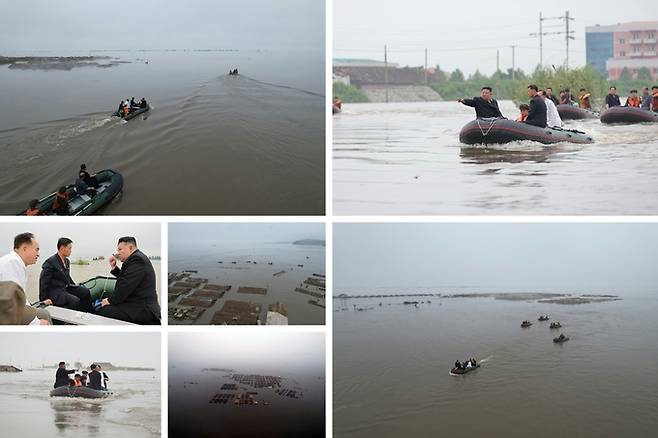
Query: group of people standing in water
{"x": 540, "y": 111}
{"x": 96, "y": 379}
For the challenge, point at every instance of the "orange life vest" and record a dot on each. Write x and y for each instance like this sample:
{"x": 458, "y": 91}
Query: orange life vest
{"x": 584, "y": 102}
{"x": 636, "y": 102}
{"x": 126, "y": 109}
{"x": 78, "y": 383}
{"x": 61, "y": 201}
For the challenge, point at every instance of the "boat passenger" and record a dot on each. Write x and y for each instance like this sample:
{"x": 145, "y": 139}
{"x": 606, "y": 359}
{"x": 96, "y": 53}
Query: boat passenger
{"x": 473, "y": 361}
{"x": 524, "y": 112}
{"x": 583, "y": 99}
{"x": 337, "y": 102}
{"x": 95, "y": 378}
{"x": 654, "y": 98}
{"x": 537, "y": 113}
{"x": 468, "y": 364}
{"x": 76, "y": 381}
{"x": 612, "y": 99}
{"x": 56, "y": 284}
{"x": 566, "y": 98}
{"x": 458, "y": 365}
{"x": 553, "y": 119}
{"x": 61, "y": 202}
{"x": 550, "y": 95}
{"x": 84, "y": 378}
{"x": 62, "y": 375}
{"x": 120, "y": 109}
{"x": 81, "y": 188}
{"x": 89, "y": 179}
{"x": 633, "y": 100}
{"x": 32, "y": 210}
{"x": 133, "y": 104}
{"x": 235, "y": 72}
{"x": 646, "y": 99}
{"x": 485, "y": 106}
{"x": 105, "y": 377}
{"x": 143, "y": 104}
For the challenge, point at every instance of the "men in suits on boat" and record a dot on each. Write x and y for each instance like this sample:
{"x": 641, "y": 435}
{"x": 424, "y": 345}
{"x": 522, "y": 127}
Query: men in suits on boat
{"x": 62, "y": 375}
{"x": 135, "y": 298}
{"x": 485, "y": 105}
{"x": 56, "y": 285}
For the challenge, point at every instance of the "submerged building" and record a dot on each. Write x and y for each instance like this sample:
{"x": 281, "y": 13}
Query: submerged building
{"x": 631, "y": 46}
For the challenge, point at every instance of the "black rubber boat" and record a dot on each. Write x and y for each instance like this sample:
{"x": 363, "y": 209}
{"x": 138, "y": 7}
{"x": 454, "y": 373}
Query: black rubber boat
{"x": 79, "y": 391}
{"x": 628, "y": 115}
{"x": 110, "y": 185}
{"x": 556, "y": 325}
{"x": 542, "y": 318}
{"x": 526, "y": 324}
{"x": 457, "y": 371}
{"x": 132, "y": 114}
{"x": 500, "y": 131}
{"x": 571, "y": 112}
{"x": 559, "y": 340}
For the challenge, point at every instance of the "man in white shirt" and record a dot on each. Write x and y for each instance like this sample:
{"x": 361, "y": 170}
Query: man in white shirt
{"x": 553, "y": 119}
{"x": 13, "y": 267}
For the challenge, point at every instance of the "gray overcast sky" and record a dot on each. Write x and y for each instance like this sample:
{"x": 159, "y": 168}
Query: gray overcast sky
{"x": 254, "y": 350}
{"x": 448, "y": 28}
{"x": 129, "y": 349}
{"x": 618, "y": 256}
{"x": 89, "y": 240}
{"x": 149, "y": 24}
{"x": 243, "y": 232}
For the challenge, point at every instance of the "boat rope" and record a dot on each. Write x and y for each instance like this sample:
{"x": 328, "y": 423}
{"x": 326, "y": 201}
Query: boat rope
{"x": 484, "y": 134}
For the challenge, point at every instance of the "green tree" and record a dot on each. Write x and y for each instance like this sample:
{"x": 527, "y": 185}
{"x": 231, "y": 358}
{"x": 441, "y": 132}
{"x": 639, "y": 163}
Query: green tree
{"x": 457, "y": 76}
{"x": 625, "y": 75}
{"x": 644, "y": 74}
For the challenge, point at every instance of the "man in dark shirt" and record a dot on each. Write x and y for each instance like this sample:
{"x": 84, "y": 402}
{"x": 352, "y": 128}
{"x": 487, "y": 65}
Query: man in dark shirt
{"x": 62, "y": 375}
{"x": 550, "y": 95}
{"x": 537, "y": 113}
{"x": 485, "y": 106}
{"x": 95, "y": 378}
{"x": 612, "y": 99}
{"x": 55, "y": 283}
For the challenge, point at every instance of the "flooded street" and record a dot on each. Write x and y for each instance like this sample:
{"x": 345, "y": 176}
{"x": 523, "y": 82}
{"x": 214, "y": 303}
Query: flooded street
{"x": 406, "y": 159}
{"x": 211, "y": 144}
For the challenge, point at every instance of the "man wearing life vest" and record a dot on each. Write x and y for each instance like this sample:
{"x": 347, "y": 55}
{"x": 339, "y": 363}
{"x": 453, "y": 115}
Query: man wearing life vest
{"x": 583, "y": 99}
{"x": 61, "y": 203}
{"x": 32, "y": 209}
{"x": 633, "y": 100}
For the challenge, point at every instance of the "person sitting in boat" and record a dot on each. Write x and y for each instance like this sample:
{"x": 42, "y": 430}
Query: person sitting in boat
{"x": 583, "y": 99}
{"x": 61, "y": 202}
{"x": 537, "y": 113}
{"x": 133, "y": 104}
{"x": 458, "y": 365}
{"x": 566, "y": 98}
{"x": 612, "y": 99}
{"x": 524, "y": 112}
{"x": 84, "y": 378}
{"x": 553, "y": 119}
{"x": 468, "y": 364}
{"x": 95, "y": 378}
{"x": 105, "y": 377}
{"x": 88, "y": 178}
{"x": 62, "y": 375}
{"x": 485, "y": 106}
{"x": 633, "y": 100}
{"x": 32, "y": 209}
{"x": 142, "y": 103}
{"x": 473, "y": 361}
{"x": 135, "y": 298}
{"x": 337, "y": 102}
{"x": 76, "y": 380}
{"x": 56, "y": 284}
{"x": 551, "y": 96}
{"x": 81, "y": 188}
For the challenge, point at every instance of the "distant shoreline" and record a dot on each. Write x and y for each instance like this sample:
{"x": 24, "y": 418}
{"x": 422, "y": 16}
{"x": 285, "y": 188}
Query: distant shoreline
{"x": 551, "y": 298}
{"x": 65, "y": 63}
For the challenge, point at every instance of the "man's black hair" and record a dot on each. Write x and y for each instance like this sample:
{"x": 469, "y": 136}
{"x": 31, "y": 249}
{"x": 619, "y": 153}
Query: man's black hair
{"x": 524, "y": 106}
{"x": 613, "y": 87}
{"x": 23, "y": 238}
{"x": 62, "y": 363}
{"x": 63, "y": 241}
{"x": 93, "y": 366}
{"x": 533, "y": 87}
{"x": 486, "y": 87}
{"x": 583, "y": 89}
{"x": 128, "y": 240}
{"x": 34, "y": 203}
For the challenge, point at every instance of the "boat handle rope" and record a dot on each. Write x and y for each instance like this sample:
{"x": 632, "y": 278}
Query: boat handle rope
{"x": 484, "y": 134}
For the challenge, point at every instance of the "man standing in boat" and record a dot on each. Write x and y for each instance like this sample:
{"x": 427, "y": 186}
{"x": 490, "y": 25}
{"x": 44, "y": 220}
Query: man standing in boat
{"x": 537, "y": 113}
{"x": 55, "y": 283}
{"x": 95, "y": 378}
{"x": 135, "y": 298}
{"x": 485, "y": 106}
{"x": 62, "y": 375}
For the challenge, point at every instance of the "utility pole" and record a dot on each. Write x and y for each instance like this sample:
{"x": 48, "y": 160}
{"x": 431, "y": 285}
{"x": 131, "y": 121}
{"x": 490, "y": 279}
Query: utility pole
{"x": 386, "y": 72}
{"x": 497, "y": 61}
{"x": 426, "y": 66}
{"x": 513, "y": 63}
{"x": 541, "y": 35}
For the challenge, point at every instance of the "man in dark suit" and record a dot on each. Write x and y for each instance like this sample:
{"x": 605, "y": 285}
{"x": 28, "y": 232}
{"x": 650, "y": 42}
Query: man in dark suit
{"x": 485, "y": 106}
{"x": 56, "y": 285}
{"x": 95, "y": 378}
{"x": 62, "y": 375}
{"x": 537, "y": 114}
{"x": 135, "y": 298}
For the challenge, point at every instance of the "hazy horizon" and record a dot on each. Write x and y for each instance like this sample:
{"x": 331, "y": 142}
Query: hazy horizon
{"x": 70, "y": 25}
{"x": 190, "y": 234}
{"x": 124, "y": 349}
{"x": 467, "y": 35}
{"x": 558, "y": 257}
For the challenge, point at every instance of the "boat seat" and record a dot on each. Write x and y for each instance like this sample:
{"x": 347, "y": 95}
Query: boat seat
{"x": 78, "y": 201}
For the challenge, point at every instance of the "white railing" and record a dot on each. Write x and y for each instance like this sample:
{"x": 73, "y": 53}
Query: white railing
{"x": 650, "y": 41}
{"x": 638, "y": 41}
{"x": 649, "y": 53}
